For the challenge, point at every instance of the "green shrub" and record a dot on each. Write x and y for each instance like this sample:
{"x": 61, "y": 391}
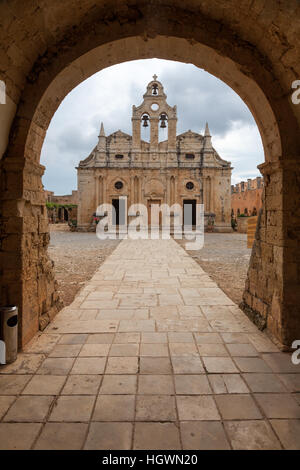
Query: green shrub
{"x": 55, "y": 205}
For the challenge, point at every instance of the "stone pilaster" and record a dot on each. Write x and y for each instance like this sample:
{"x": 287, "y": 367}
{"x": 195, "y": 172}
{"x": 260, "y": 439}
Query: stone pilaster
{"x": 154, "y": 122}
{"x": 136, "y": 134}
{"x": 172, "y": 122}
{"x": 272, "y": 291}
{"x": 27, "y": 278}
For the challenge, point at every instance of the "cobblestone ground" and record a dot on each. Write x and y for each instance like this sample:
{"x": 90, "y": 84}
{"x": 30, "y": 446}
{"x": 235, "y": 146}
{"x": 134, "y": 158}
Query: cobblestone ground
{"x": 150, "y": 355}
{"x": 225, "y": 257}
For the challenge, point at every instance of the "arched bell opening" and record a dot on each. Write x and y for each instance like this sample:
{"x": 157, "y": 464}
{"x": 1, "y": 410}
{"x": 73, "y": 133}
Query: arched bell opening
{"x": 163, "y": 127}
{"x": 145, "y": 127}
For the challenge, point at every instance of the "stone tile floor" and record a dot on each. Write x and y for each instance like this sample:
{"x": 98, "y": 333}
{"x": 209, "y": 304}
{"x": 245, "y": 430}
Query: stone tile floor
{"x": 150, "y": 355}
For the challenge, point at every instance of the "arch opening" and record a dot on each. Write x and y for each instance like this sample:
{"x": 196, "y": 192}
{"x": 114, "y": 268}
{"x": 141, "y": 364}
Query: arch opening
{"x": 34, "y": 116}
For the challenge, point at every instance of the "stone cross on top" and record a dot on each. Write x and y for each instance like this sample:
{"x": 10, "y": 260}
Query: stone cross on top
{"x": 155, "y": 77}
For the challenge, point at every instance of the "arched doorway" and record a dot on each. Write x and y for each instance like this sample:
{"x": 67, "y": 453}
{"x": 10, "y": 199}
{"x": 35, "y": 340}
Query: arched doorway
{"x": 257, "y": 74}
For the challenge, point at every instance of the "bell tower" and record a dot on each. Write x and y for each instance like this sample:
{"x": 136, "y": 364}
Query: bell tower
{"x": 155, "y": 113}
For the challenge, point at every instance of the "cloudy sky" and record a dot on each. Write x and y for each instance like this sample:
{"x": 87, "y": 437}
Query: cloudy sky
{"x": 108, "y": 96}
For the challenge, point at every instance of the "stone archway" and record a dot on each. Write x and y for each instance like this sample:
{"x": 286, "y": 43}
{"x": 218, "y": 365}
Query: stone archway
{"x": 253, "y": 52}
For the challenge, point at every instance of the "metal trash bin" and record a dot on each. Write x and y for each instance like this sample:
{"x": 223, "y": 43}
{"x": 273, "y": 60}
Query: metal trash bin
{"x": 9, "y": 333}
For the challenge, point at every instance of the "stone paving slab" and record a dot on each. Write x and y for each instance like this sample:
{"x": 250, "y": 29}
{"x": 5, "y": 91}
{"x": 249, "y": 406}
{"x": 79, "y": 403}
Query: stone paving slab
{"x": 150, "y": 355}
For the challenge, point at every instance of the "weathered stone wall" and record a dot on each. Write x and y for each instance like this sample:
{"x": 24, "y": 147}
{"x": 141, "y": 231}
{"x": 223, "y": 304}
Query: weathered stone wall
{"x": 272, "y": 294}
{"x": 168, "y": 185}
{"x": 249, "y": 197}
{"x": 27, "y": 278}
{"x": 64, "y": 199}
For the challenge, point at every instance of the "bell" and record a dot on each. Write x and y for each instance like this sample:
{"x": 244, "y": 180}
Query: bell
{"x": 154, "y": 89}
{"x": 145, "y": 119}
{"x": 163, "y": 119}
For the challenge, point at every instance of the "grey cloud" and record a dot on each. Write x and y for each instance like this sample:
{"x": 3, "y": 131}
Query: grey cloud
{"x": 73, "y": 138}
{"x": 60, "y": 178}
{"x": 199, "y": 97}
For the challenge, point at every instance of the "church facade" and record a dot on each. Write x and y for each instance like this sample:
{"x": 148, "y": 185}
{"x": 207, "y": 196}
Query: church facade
{"x": 180, "y": 169}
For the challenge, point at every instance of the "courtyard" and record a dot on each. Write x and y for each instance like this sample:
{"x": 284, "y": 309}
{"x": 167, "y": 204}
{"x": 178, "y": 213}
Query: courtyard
{"x": 151, "y": 354}
{"x": 76, "y": 257}
{"x": 225, "y": 257}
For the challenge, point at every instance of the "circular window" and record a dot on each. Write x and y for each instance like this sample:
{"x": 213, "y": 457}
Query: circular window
{"x": 189, "y": 185}
{"x": 119, "y": 185}
{"x": 154, "y": 107}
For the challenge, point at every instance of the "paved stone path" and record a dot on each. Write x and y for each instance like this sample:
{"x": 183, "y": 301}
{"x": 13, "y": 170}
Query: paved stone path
{"x": 150, "y": 355}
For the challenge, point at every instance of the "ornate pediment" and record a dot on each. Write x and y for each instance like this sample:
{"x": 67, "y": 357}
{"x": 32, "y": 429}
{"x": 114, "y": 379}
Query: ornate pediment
{"x": 119, "y": 135}
{"x": 190, "y": 134}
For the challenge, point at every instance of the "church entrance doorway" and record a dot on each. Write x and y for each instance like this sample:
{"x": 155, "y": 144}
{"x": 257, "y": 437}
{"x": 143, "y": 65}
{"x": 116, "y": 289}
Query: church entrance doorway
{"x": 116, "y": 212}
{"x": 189, "y": 212}
{"x": 118, "y": 216}
{"x": 150, "y": 204}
